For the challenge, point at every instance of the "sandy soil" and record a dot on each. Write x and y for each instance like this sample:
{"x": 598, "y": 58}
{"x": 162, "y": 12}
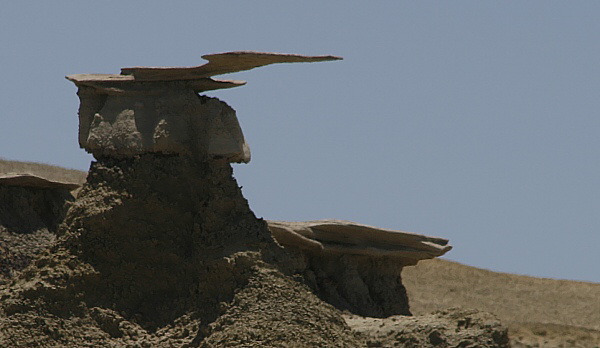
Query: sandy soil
{"x": 565, "y": 313}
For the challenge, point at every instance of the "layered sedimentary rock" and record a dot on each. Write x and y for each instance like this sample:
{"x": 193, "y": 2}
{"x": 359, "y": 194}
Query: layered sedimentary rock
{"x": 158, "y": 110}
{"x": 29, "y": 202}
{"x": 161, "y": 248}
{"x": 357, "y": 267}
{"x": 31, "y": 209}
{"x": 346, "y": 237}
{"x": 159, "y": 117}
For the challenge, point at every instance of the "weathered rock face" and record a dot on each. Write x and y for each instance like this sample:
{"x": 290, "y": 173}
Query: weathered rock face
{"x": 158, "y": 110}
{"x": 155, "y": 228}
{"x": 363, "y": 285}
{"x": 29, "y": 203}
{"x": 31, "y": 209}
{"x": 165, "y": 119}
{"x": 162, "y": 250}
{"x": 356, "y": 267}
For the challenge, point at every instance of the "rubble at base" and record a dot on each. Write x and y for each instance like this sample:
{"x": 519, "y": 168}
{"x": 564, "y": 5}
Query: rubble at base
{"x": 448, "y": 328}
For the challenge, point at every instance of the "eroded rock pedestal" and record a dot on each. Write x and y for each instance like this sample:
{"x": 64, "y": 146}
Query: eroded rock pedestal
{"x": 161, "y": 248}
{"x": 159, "y": 110}
{"x": 356, "y": 267}
{"x": 161, "y": 118}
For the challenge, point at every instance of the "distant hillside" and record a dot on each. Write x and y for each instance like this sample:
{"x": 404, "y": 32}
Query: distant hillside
{"x": 539, "y": 312}
{"x": 44, "y": 170}
{"x": 436, "y": 284}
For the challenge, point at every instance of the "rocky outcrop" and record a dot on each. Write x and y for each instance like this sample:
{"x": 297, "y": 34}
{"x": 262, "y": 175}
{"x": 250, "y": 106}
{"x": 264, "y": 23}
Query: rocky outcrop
{"x": 161, "y": 248}
{"x": 31, "y": 209}
{"x": 356, "y": 267}
{"x": 29, "y": 203}
{"x": 350, "y": 238}
{"x": 158, "y": 110}
{"x": 167, "y": 118}
{"x": 220, "y": 63}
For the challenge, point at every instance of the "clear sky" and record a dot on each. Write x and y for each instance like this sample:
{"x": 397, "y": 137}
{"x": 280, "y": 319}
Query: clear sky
{"x": 477, "y": 121}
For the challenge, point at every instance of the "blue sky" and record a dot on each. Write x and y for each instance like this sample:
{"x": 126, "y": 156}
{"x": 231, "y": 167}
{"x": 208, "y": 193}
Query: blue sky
{"x": 475, "y": 121}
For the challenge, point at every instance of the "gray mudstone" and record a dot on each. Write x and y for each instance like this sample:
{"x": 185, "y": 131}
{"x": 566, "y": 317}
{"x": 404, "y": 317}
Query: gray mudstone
{"x": 159, "y": 118}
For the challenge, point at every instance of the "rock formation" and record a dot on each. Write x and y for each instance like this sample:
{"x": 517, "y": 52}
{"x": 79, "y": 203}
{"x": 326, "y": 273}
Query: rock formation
{"x": 35, "y": 182}
{"x": 158, "y": 110}
{"x": 339, "y": 237}
{"x": 356, "y": 267}
{"x": 29, "y": 203}
{"x": 161, "y": 248}
{"x": 31, "y": 209}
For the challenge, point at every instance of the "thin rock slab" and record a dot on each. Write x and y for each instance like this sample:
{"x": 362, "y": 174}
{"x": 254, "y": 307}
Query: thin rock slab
{"x": 197, "y": 78}
{"x": 346, "y": 237}
{"x": 221, "y": 63}
{"x": 113, "y": 84}
{"x": 30, "y": 180}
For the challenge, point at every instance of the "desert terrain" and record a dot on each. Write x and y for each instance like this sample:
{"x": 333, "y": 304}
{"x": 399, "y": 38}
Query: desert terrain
{"x": 538, "y": 312}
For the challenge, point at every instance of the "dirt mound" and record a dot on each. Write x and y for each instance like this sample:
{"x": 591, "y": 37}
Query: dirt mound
{"x": 18, "y": 249}
{"x": 272, "y": 311}
{"x": 163, "y": 251}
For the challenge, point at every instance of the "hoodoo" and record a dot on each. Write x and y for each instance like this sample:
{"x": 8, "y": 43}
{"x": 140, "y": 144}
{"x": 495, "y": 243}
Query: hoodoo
{"x": 161, "y": 249}
{"x": 357, "y": 267}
